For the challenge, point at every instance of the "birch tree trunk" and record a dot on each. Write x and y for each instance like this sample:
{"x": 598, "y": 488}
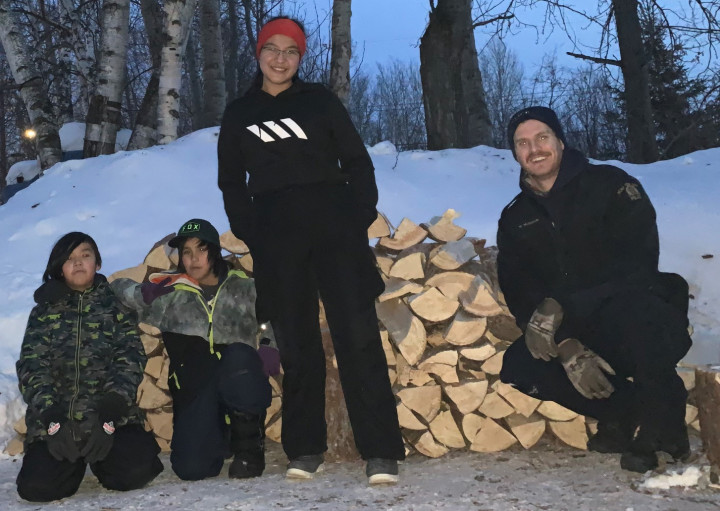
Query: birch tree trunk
{"x": 341, "y": 50}
{"x": 145, "y": 131}
{"x": 75, "y": 39}
{"x": 641, "y": 143}
{"x": 455, "y": 111}
{"x": 104, "y": 112}
{"x": 214, "y": 96}
{"x": 193, "y": 78}
{"x": 178, "y": 18}
{"x": 32, "y": 90}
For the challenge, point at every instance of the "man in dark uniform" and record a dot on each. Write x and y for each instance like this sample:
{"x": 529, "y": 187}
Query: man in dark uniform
{"x": 578, "y": 264}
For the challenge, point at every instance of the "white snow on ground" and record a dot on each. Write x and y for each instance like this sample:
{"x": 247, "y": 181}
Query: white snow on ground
{"x": 129, "y": 200}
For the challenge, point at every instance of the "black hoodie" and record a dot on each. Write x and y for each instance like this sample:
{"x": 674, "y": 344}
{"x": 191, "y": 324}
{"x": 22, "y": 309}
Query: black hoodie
{"x": 302, "y": 136}
{"x": 591, "y": 236}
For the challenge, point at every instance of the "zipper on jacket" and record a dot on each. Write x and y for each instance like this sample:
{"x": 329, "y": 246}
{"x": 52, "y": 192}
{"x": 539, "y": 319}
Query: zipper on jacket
{"x": 77, "y": 359}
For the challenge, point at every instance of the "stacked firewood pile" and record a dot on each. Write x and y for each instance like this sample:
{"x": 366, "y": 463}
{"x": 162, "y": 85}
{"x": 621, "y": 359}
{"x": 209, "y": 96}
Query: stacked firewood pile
{"x": 444, "y": 326}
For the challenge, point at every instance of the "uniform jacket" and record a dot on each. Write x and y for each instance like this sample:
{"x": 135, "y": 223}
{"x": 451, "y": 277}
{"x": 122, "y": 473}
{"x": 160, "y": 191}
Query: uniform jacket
{"x": 302, "y": 136}
{"x": 78, "y": 346}
{"x": 194, "y": 329}
{"x": 591, "y": 236}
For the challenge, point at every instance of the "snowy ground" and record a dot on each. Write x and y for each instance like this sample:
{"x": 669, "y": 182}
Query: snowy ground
{"x": 546, "y": 478}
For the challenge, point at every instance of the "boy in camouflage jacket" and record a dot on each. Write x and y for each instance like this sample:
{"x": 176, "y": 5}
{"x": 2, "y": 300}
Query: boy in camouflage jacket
{"x": 80, "y": 365}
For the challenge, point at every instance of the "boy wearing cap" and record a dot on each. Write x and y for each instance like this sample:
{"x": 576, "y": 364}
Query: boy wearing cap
{"x": 578, "y": 265}
{"x": 220, "y": 357}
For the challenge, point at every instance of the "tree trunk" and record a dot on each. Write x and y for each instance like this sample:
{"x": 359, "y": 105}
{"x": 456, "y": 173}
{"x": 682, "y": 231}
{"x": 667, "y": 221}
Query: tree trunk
{"x": 231, "y": 66}
{"x": 32, "y": 91}
{"x": 193, "y": 78}
{"x": 641, "y": 143}
{"x": 145, "y": 131}
{"x": 341, "y": 50}
{"x": 3, "y": 142}
{"x": 455, "y": 111}
{"x": 214, "y": 96}
{"x": 74, "y": 38}
{"x": 104, "y": 112}
{"x": 178, "y": 19}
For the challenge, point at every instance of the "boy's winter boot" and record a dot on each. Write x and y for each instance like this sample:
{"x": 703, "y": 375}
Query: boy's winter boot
{"x": 247, "y": 442}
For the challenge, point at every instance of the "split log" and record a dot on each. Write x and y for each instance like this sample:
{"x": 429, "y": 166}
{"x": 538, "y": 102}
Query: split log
{"x": 446, "y": 373}
{"x": 433, "y": 306}
{"x": 20, "y": 427}
{"x": 707, "y": 395}
{"x": 467, "y": 397}
{"x": 164, "y": 444}
{"x": 161, "y": 424}
{"x": 379, "y": 228}
{"x": 409, "y": 267}
{"x": 572, "y": 432}
{"x": 495, "y": 406}
{"x": 274, "y": 431}
{"x": 555, "y": 412}
{"x": 234, "y": 245}
{"x": 407, "y": 234}
{"x": 398, "y": 287}
{"x": 151, "y": 344}
{"x": 136, "y": 273}
{"x": 154, "y": 367}
{"x": 687, "y": 374}
{"x": 445, "y": 430}
{"x": 427, "y": 445}
{"x": 162, "y": 381}
{"x": 479, "y": 353}
{"x": 406, "y": 331}
{"x": 451, "y": 283}
{"x": 246, "y": 263}
{"x": 437, "y": 340}
{"x": 384, "y": 263}
{"x": 14, "y": 447}
{"x": 691, "y": 413}
{"x": 387, "y": 348}
{"x": 471, "y": 424}
{"x": 425, "y": 401}
{"x": 493, "y": 364}
{"x": 528, "y": 430}
{"x": 504, "y": 328}
{"x": 442, "y": 228}
{"x": 408, "y": 420}
{"x": 453, "y": 255}
{"x": 465, "y": 329}
{"x": 448, "y": 357}
{"x": 273, "y": 409}
{"x": 480, "y": 299}
{"x": 492, "y": 437}
{"x": 159, "y": 255}
{"x": 150, "y": 397}
{"x": 523, "y": 404}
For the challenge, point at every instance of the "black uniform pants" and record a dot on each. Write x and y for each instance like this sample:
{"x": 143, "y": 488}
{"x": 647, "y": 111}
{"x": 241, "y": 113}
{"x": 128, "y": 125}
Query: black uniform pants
{"x": 200, "y": 431}
{"x": 641, "y": 336}
{"x": 309, "y": 242}
{"x": 131, "y": 464}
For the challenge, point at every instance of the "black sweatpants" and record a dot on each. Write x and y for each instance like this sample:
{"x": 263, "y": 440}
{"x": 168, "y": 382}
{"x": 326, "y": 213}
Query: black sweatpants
{"x": 640, "y": 336}
{"x": 200, "y": 431}
{"x": 131, "y": 464}
{"x": 309, "y": 241}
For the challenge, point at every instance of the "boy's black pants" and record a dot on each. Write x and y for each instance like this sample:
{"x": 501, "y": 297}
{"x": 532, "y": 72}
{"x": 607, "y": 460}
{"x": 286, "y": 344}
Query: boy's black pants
{"x": 131, "y": 464}
{"x": 200, "y": 431}
{"x": 309, "y": 242}
{"x": 641, "y": 336}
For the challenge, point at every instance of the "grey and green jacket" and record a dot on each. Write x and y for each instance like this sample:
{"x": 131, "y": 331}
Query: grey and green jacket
{"x": 78, "y": 347}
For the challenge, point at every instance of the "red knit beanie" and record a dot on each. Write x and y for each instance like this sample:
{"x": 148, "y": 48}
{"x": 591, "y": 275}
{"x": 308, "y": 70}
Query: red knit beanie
{"x": 285, "y": 27}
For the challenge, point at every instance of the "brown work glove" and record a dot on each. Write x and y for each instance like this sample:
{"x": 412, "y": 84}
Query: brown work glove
{"x": 540, "y": 331}
{"x": 586, "y": 369}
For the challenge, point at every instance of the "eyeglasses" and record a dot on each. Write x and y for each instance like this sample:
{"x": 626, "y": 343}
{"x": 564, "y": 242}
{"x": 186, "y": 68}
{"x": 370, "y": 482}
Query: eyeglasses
{"x": 292, "y": 53}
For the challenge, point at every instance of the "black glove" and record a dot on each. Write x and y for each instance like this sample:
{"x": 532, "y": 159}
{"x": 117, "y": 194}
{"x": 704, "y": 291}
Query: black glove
{"x": 586, "y": 369}
{"x": 59, "y": 439}
{"x": 110, "y": 410}
{"x": 151, "y": 291}
{"x": 540, "y": 331}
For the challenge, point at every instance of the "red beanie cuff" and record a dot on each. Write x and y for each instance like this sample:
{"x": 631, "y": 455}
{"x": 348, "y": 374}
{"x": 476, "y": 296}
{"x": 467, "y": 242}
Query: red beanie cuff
{"x": 285, "y": 27}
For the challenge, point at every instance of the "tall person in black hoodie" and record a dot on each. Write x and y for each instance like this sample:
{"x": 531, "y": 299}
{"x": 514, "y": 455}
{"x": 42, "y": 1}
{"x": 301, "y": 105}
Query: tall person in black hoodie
{"x": 299, "y": 188}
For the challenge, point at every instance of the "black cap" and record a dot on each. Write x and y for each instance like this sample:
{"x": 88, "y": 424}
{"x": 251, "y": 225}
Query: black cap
{"x": 539, "y": 113}
{"x": 196, "y": 228}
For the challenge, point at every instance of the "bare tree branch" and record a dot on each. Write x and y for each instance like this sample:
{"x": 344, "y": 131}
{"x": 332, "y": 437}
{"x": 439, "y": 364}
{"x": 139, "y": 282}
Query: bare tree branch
{"x": 597, "y": 60}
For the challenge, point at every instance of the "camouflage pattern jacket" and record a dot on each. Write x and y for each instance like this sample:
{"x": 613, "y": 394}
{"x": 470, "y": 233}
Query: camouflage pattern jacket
{"x": 78, "y": 347}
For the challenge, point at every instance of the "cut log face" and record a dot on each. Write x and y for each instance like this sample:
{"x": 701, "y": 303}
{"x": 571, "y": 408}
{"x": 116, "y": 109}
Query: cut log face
{"x": 384, "y": 263}
{"x": 493, "y": 364}
{"x": 556, "y": 412}
{"x": 471, "y": 424}
{"x": 151, "y": 344}
{"x": 523, "y": 404}
{"x": 159, "y": 255}
{"x": 451, "y": 283}
{"x": 572, "y": 432}
{"x": 229, "y": 242}
{"x": 465, "y": 329}
{"x": 467, "y": 397}
{"x": 495, "y": 406}
{"x": 14, "y": 447}
{"x": 449, "y": 357}
{"x": 419, "y": 378}
{"x": 136, "y": 273}
{"x": 379, "y": 228}
{"x": 387, "y": 348}
{"x": 162, "y": 381}
{"x": 273, "y": 409}
{"x": 433, "y": 306}
{"x": 153, "y": 367}
{"x": 406, "y": 331}
{"x": 20, "y": 426}
{"x": 691, "y": 413}
{"x": 528, "y": 430}
{"x": 479, "y": 353}
{"x": 161, "y": 424}
{"x": 445, "y": 430}
{"x": 427, "y": 445}
{"x": 151, "y": 397}
{"x": 504, "y": 328}
{"x": 446, "y": 373}
{"x": 425, "y": 401}
{"x": 480, "y": 299}
{"x": 409, "y": 267}
{"x": 397, "y": 288}
{"x": 274, "y": 431}
{"x": 442, "y": 228}
{"x": 453, "y": 255}
{"x": 408, "y": 420}
{"x": 437, "y": 340}
{"x": 407, "y": 234}
{"x": 492, "y": 438}
{"x": 145, "y": 328}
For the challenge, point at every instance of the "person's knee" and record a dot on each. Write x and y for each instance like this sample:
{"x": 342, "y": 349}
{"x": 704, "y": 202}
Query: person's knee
{"x": 189, "y": 469}
{"x": 133, "y": 478}
{"x": 42, "y": 491}
{"x": 512, "y": 365}
{"x": 242, "y": 382}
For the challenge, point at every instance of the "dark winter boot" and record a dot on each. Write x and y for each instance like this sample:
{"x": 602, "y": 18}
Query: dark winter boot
{"x": 642, "y": 456}
{"x": 612, "y": 437}
{"x": 247, "y": 442}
